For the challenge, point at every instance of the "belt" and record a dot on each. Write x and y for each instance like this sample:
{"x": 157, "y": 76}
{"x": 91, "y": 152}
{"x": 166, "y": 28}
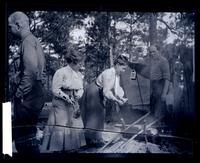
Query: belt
{"x": 98, "y": 85}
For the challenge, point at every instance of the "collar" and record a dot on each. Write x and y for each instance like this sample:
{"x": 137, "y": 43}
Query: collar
{"x": 26, "y": 34}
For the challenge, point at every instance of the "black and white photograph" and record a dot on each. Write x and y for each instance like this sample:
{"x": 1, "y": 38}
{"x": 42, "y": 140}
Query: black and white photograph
{"x": 100, "y": 81}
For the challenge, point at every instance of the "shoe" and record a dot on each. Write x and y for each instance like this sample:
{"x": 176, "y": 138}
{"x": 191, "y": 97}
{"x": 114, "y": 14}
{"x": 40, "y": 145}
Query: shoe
{"x": 95, "y": 143}
{"x": 100, "y": 143}
{"x": 108, "y": 121}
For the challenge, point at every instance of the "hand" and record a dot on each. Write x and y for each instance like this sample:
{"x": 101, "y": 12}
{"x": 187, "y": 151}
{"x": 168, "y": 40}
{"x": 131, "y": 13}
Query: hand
{"x": 120, "y": 102}
{"x": 18, "y": 98}
{"x": 163, "y": 97}
{"x": 124, "y": 99}
{"x": 77, "y": 113}
{"x": 69, "y": 100}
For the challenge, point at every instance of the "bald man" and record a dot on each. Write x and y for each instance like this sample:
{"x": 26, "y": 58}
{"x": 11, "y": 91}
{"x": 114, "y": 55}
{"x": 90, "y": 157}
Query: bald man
{"x": 156, "y": 68}
{"x": 29, "y": 95}
{"x": 160, "y": 79}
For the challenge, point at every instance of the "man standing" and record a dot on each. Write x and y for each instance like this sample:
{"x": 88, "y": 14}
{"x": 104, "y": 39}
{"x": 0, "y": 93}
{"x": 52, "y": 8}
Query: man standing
{"x": 29, "y": 96}
{"x": 160, "y": 79}
{"x": 156, "y": 68}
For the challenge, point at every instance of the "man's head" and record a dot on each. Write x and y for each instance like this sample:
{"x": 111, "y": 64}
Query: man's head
{"x": 18, "y": 22}
{"x": 153, "y": 52}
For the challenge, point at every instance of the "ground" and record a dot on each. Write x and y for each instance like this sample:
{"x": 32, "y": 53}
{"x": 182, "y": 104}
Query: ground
{"x": 157, "y": 140}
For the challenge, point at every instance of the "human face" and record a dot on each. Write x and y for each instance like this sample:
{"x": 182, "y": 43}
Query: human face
{"x": 78, "y": 66}
{"x": 121, "y": 68}
{"x": 13, "y": 27}
{"x": 153, "y": 52}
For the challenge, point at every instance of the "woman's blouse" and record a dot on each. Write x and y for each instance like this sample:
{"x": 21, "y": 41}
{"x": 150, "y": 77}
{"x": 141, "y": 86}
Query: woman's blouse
{"x": 109, "y": 80}
{"x": 67, "y": 79}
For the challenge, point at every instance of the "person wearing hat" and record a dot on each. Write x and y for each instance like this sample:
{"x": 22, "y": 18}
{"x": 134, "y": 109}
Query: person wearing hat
{"x": 29, "y": 96}
{"x": 106, "y": 86}
{"x": 63, "y": 131}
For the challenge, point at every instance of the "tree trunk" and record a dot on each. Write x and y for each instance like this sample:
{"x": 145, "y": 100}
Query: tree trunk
{"x": 111, "y": 56}
{"x": 152, "y": 29}
{"x": 110, "y": 44}
{"x": 130, "y": 38}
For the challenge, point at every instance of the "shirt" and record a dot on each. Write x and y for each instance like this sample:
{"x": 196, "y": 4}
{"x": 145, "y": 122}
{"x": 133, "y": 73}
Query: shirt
{"x": 159, "y": 68}
{"x": 67, "y": 78}
{"x": 32, "y": 64}
{"x": 108, "y": 80}
{"x": 155, "y": 69}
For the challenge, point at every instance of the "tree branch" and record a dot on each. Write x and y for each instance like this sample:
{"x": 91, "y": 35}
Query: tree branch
{"x": 170, "y": 28}
{"x": 137, "y": 19}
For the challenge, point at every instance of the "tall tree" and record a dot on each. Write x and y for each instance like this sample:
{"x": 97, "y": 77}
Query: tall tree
{"x": 153, "y": 28}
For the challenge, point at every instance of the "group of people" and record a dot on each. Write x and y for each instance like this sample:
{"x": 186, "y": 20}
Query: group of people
{"x": 77, "y": 115}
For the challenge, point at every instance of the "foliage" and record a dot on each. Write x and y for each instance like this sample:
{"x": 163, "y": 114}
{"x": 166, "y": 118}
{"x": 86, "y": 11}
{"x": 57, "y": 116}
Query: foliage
{"x": 53, "y": 30}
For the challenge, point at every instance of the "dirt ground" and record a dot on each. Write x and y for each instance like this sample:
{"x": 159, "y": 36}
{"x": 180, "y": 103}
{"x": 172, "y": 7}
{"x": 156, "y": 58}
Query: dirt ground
{"x": 154, "y": 143}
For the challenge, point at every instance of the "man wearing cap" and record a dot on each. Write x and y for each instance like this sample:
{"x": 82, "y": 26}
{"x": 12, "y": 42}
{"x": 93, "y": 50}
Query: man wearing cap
{"x": 29, "y": 95}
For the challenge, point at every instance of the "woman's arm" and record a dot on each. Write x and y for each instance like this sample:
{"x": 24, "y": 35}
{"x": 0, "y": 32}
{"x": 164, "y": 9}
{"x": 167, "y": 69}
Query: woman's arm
{"x": 78, "y": 94}
{"x": 57, "y": 85}
{"x": 108, "y": 85}
{"x": 119, "y": 92}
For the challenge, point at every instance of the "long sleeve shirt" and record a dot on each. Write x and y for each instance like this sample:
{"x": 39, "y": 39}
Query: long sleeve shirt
{"x": 109, "y": 81}
{"x": 32, "y": 64}
{"x": 67, "y": 79}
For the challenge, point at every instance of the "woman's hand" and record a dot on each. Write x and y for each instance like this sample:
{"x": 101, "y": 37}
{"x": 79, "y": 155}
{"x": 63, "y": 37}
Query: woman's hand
{"x": 69, "y": 100}
{"x": 120, "y": 102}
{"x": 124, "y": 100}
{"x": 78, "y": 93}
{"x": 77, "y": 111}
{"x": 163, "y": 97}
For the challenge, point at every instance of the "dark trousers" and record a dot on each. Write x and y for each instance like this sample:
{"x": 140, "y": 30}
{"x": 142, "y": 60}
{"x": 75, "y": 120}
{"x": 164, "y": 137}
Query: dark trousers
{"x": 157, "y": 106}
{"x": 110, "y": 106}
{"x": 92, "y": 110}
{"x": 26, "y": 115}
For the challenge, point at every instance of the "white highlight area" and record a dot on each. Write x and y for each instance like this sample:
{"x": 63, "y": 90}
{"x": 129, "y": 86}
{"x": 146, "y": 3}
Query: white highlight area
{"x": 7, "y": 129}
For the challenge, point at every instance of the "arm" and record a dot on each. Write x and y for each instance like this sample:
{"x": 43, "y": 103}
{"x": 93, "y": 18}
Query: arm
{"x": 166, "y": 76}
{"x": 165, "y": 89}
{"x": 108, "y": 84}
{"x": 57, "y": 85}
{"x": 119, "y": 92}
{"x": 30, "y": 62}
{"x": 78, "y": 93}
{"x": 141, "y": 68}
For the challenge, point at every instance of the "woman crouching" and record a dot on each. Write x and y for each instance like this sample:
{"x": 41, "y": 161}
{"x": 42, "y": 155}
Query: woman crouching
{"x": 105, "y": 87}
